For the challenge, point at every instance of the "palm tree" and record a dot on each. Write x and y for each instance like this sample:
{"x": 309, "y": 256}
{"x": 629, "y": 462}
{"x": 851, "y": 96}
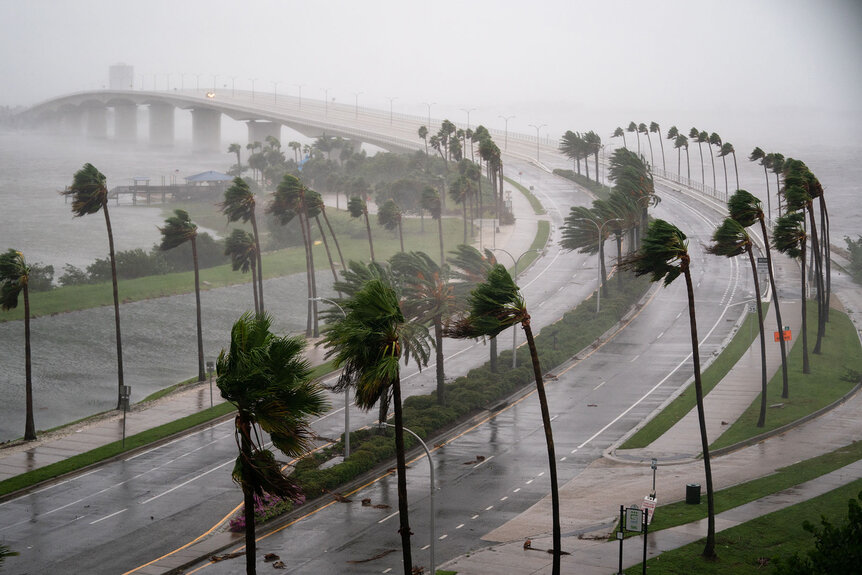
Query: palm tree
{"x": 269, "y": 382}
{"x": 428, "y": 296}
{"x": 642, "y": 129}
{"x": 730, "y": 239}
{"x": 368, "y": 344}
{"x": 703, "y": 138}
{"x": 789, "y": 238}
{"x": 776, "y": 164}
{"x": 288, "y": 201}
{"x": 746, "y": 209}
{"x": 593, "y": 144}
{"x": 727, "y": 148}
{"x": 178, "y": 230}
{"x": 497, "y": 304}
{"x": 357, "y": 207}
{"x": 389, "y": 216}
{"x": 700, "y": 138}
{"x": 572, "y": 146}
{"x": 469, "y": 267}
{"x": 296, "y": 147}
{"x": 715, "y": 140}
{"x": 460, "y": 191}
{"x": 239, "y": 204}
{"x": 619, "y": 132}
{"x": 656, "y": 129}
{"x": 765, "y": 160}
{"x": 581, "y": 232}
{"x": 242, "y": 250}
{"x": 14, "y": 280}
{"x": 314, "y": 207}
{"x": 682, "y": 142}
{"x": 664, "y": 255}
{"x": 633, "y": 128}
{"x": 431, "y": 202}
{"x": 423, "y": 133}
{"x": 236, "y": 149}
{"x": 89, "y": 193}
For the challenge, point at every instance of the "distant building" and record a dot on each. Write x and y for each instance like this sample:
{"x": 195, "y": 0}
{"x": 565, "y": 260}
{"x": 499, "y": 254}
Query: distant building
{"x": 121, "y": 77}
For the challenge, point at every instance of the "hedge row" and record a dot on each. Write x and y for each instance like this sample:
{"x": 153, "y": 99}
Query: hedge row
{"x": 479, "y": 389}
{"x": 603, "y": 192}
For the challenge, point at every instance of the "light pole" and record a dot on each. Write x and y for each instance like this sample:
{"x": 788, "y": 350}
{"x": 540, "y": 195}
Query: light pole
{"x": 506, "y": 132}
{"x": 431, "y": 470}
{"x": 215, "y": 77}
{"x": 346, "y": 390}
{"x": 391, "y": 99}
{"x": 182, "y": 81}
{"x": 514, "y": 277}
{"x": 468, "y": 110}
{"x": 210, "y": 370}
{"x": 168, "y": 81}
{"x": 356, "y": 103}
{"x": 599, "y": 229}
{"x": 537, "y": 137}
{"x": 326, "y": 102}
{"x": 275, "y": 92}
{"x": 253, "y": 80}
{"x": 197, "y": 81}
{"x": 232, "y": 86}
{"x": 300, "y": 94}
{"x": 429, "y": 104}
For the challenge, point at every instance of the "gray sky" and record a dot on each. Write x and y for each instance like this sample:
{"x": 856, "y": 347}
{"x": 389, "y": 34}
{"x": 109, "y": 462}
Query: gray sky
{"x": 571, "y": 64}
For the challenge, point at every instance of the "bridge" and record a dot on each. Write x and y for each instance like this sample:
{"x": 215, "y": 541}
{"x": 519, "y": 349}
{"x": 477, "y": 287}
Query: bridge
{"x": 113, "y": 114}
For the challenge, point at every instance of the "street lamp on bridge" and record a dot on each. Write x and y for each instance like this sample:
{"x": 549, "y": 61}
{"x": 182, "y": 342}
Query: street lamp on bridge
{"x": 429, "y": 104}
{"x": 391, "y": 99}
{"x": 514, "y": 277}
{"x": 506, "y": 132}
{"x": 537, "y": 137}
{"x": 468, "y": 110}
{"x": 599, "y": 230}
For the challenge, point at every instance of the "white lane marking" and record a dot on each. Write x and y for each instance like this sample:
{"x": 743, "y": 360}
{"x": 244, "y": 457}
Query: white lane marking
{"x": 475, "y": 516}
{"x": 599, "y": 385}
{"x": 484, "y": 461}
{"x": 489, "y": 508}
{"x": 108, "y": 516}
{"x": 505, "y": 497}
{"x": 634, "y": 358}
{"x": 424, "y": 548}
{"x": 677, "y": 315}
{"x": 460, "y": 526}
{"x": 540, "y": 474}
{"x": 388, "y": 517}
{"x": 387, "y": 570}
{"x": 659, "y": 335}
{"x": 529, "y": 482}
{"x": 184, "y": 483}
{"x": 563, "y": 458}
{"x": 555, "y": 417}
{"x": 135, "y": 456}
{"x": 541, "y": 303}
{"x": 516, "y": 490}
{"x": 575, "y": 450}
{"x": 444, "y": 536}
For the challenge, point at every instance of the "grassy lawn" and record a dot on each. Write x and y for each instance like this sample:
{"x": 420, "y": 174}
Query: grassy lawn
{"x": 538, "y": 209}
{"x": 685, "y": 402}
{"x": 742, "y": 550}
{"x": 826, "y": 383}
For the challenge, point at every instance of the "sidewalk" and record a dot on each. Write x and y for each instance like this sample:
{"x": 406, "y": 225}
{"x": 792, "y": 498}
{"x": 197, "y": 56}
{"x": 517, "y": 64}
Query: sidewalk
{"x": 18, "y": 458}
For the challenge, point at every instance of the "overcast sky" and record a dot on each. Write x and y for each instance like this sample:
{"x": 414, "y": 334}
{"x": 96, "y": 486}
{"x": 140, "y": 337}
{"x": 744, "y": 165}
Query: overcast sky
{"x": 571, "y": 64}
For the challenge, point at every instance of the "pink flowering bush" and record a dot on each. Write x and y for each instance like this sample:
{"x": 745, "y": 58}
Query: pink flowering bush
{"x": 265, "y": 508}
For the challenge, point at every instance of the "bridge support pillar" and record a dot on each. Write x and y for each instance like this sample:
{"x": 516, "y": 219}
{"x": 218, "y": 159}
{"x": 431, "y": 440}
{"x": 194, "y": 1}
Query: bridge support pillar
{"x": 161, "y": 124}
{"x": 71, "y": 122}
{"x": 97, "y": 123}
{"x": 126, "y": 122}
{"x": 258, "y": 131}
{"x": 206, "y": 130}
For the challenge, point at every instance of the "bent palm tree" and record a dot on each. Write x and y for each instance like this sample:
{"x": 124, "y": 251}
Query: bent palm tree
{"x": 789, "y": 238}
{"x": 367, "y": 344}
{"x": 727, "y": 148}
{"x": 700, "y": 138}
{"x": 656, "y": 129}
{"x": 620, "y": 133}
{"x": 469, "y": 267}
{"x": 642, "y": 129}
{"x": 357, "y": 207}
{"x": 633, "y": 128}
{"x": 269, "y": 382}
{"x": 239, "y": 204}
{"x": 431, "y": 201}
{"x": 178, "y": 230}
{"x": 730, "y": 240}
{"x": 766, "y": 161}
{"x": 236, "y": 149}
{"x": 389, "y": 216}
{"x": 239, "y": 246}
{"x": 747, "y": 209}
{"x": 14, "y": 280}
{"x": 664, "y": 256}
{"x": 89, "y": 193}
{"x": 497, "y": 304}
{"x": 715, "y": 140}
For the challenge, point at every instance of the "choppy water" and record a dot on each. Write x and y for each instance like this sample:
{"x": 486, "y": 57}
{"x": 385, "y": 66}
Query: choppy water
{"x": 74, "y": 359}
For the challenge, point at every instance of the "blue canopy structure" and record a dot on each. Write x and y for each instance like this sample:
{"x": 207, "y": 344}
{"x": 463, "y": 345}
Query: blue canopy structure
{"x": 208, "y": 177}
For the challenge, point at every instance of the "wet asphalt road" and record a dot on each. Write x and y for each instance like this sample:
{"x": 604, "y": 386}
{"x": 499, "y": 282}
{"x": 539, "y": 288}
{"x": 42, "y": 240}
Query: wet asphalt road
{"x": 127, "y": 513}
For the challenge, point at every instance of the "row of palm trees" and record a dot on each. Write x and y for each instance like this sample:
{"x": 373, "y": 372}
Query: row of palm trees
{"x": 577, "y": 146}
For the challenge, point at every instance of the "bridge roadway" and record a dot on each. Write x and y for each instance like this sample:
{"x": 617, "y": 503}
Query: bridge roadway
{"x": 123, "y": 515}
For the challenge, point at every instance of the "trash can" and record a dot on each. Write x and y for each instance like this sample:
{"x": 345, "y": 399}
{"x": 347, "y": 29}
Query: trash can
{"x": 692, "y": 494}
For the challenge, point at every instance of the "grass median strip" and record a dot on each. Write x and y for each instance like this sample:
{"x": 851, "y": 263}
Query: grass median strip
{"x": 538, "y": 209}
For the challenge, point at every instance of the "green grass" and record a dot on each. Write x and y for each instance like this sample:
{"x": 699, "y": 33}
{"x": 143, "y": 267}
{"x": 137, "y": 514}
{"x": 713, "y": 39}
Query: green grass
{"x": 538, "y": 209}
{"x": 352, "y": 237}
{"x": 685, "y": 402}
{"x": 827, "y": 382}
{"x": 600, "y": 191}
{"x": 740, "y": 549}
{"x": 112, "y": 449}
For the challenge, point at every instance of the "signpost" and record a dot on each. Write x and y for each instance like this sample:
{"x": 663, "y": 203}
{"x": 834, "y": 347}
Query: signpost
{"x": 125, "y": 394}
{"x": 636, "y": 520}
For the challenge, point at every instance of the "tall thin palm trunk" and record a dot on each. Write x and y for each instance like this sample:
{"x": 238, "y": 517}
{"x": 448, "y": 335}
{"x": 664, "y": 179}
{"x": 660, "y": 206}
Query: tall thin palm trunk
{"x": 661, "y": 142}
{"x": 438, "y": 352}
{"x": 761, "y": 420}
{"x": 315, "y": 328}
{"x": 440, "y": 236}
{"x": 818, "y": 267}
{"x": 827, "y": 256}
{"x": 400, "y": 234}
{"x": 768, "y": 195}
{"x": 334, "y": 238}
{"x": 712, "y": 161}
{"x": 308, "y": 275}
{"x": 709, "y": 550}
{"x": 735, "y": 169}
{"x": 401, "y": 465}
{"x": 492, "y": 345}
{"x": 806, "y": 365}
{"x": 29, "y": 423}
{"x": 326, "y": 246}
{"x": 259, "y": 261}
{"x": 201, "y": 373}
{"x": 549, "y": 440}
{"x": 120, "y": 382}
{"x": 254, "y": 285}
{"x": 702, "y": 171}
{"x": 724, "y": 162}
{"x": 247, "y": 497}
{"x": 785, "y": 389}
{"x": 368, "y": 228}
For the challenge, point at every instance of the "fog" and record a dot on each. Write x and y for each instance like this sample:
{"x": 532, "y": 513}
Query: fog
{"x": 787, "y": 70}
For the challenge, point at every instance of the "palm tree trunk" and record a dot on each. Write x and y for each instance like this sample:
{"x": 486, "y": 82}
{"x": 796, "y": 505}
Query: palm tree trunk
{"x": 308, "y": 274}
{"x": 626, "y": 146}
{"x": 785, "y": 390}
{"x": 587, "y": 166}
{"x": 709, "y": 550}
{"x": 368, "y": 228}
{"x": 326, "y": 246}
{"x": 254, "y": 286}
{"x": 440, "y": 236}
{"x": 712, "y": 161}
{"x": 120, "y": 382}
{"x": 334, "y": 237}
{"x": 247, "y": 496}
{"x": 401, "y": 464}
{"x": 259, "y": 261}
{"x": 438, "y": 345}
{"x": 661, "y": 142}
{"x": 761, "y": 420}
{"x": 549, "y": 440}
{"x": 818, "y": 266}
{"x": 315, "y": 332}
{"x": 806, "y": 365}
{"x": 29, "y": 424}
{"x": 464, "y": 216}
{"x": 651, "y": 159}
{"x": 735, "y": 170}
{"x": 688, "y": 165}
{"x": 768, "y": 196}
{"x": 827, "y": 255}
{"x": 400, "y": 234}
{"x": 702, "y": 171}
{"x": 619, "y": 238}
{"x": 201, "y": 373}
{"x": 723, "y": 161}
{"x": 597, "y": 166}
{"x": 493, "y": 359}
{"x": 604, "y": 272}
{"x": 679, "y": 162}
